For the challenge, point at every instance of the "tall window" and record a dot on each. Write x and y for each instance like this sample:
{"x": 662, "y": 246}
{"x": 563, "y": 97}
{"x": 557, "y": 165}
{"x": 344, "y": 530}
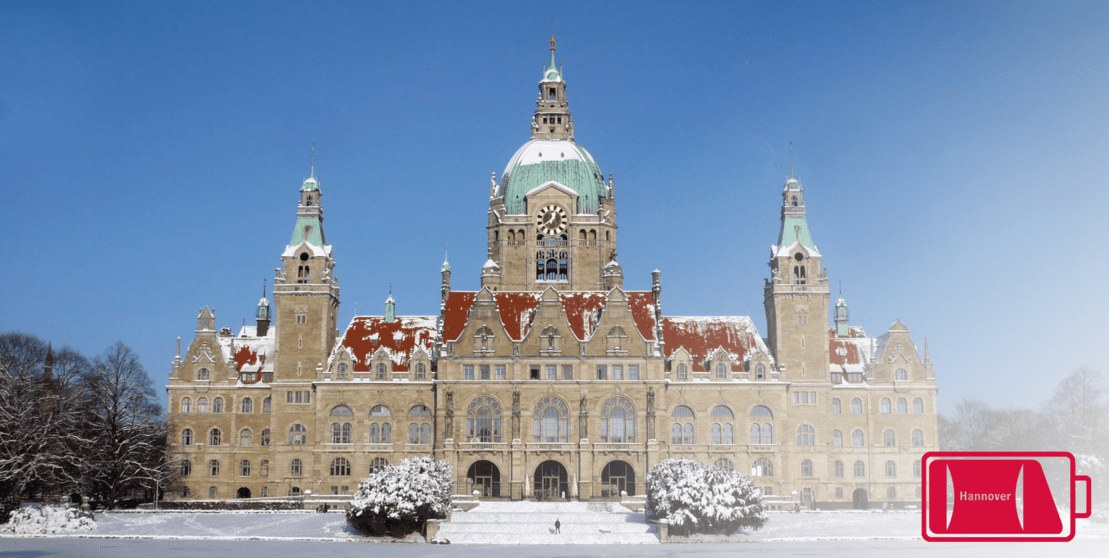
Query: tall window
{"x": 618, "y": 421}
{"x": 265, "y": 437}
{"x": 421, "y": 371}
{"x": 266, "y": 403}
{"x": 381, "y": 432}
{"x": 202, "y": 405}
{"x": 856, "y": 406}
{"x": 186, "y": 468}
{"x": 380, "y": 371}
{"x": 245, "y": 437}
{"x": 202, "y": 374}
{"x": 378, "y": 464}
{"x": 217, "y": 405}
{"x": 213, "y": 468}
{"x": 902, "y": 375}
{"x": 722, "y": 425}
{"x": 682, "y": 434}
{"x": 918, "y": 405}
{"x": 889, "y": 439}
{"x": 762, "y": 468}
{"x": 902, "y": 405}
{"x": 248, "y": 405}
{"x": 297, "y": 434}
{"x": 839, "y": 469}
{"x": 552, "y": 421}
{"x": 857, "y": 438}
{"x": 212, "y": 493}
{"x": 725, "y": 464}
{"x": 340, "y": 467}
{"x": 340, "y": 433}
{"x": 244, "y": 468}
{"x": 835, "y": 406}
{"x": 837, "y": 438}
{"x": 916, "y": 468}
{"x": 806, "y": 468}
{"x": 683, "y": 372}
{"x": 891, "y": 493}
{"x": 186, "y": 405}
{"x": 760, "y": 372}
{"x": 295, "y": 468}
{"x": 891, "y": 469}
{"x": 918, "y": 438}
{"x": 885, "y": 406}
{"x": 187, "y": 437}
{"x": 860, "y": 469}
{"x": 264, "y": 470}
{"x": 805, "y": 436}
{"x": 483, "y": 419}
{"x": 721, "y": 371}
{"x": 762, "y": 433}
{"x": 214, "y": 437}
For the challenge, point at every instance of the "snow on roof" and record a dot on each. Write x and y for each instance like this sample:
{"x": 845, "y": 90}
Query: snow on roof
{"x": 782, "y": 251}
{"x": 517, "y": 310}
{"x": 367, "y": 334}
{"x": 700, "y": 335}
{"x": 490, "y": 264}
{"x": 849, "y": 354}
{"x": 643, "y": 312}
{"x": 250, "y": 352}
{"x": 317, "y": 251}
{"x": 581, "y": 311}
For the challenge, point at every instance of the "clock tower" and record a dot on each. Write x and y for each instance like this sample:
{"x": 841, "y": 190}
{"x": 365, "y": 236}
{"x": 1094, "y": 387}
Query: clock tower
{"x": 552, "y": 215}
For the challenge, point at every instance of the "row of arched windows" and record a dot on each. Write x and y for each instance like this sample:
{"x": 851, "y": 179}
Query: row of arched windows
{"x": 246, "y": 405}
{"x": 885, "y": 405}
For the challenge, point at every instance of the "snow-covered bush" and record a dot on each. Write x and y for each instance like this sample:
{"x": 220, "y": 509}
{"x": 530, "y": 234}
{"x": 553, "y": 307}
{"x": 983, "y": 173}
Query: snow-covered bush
{"x": 398, "y": 499}
{"x": 696, "y": 498}
{"x": 47, "y": 520}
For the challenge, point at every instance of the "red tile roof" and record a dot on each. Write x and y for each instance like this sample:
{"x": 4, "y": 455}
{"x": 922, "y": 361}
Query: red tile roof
{"x": 367, "y": 334}
{"x": 700, "y": 335}
{"x": 580, "y": 307}
{"x": 456, "y": 310}
{"x": 517, "y": 310}
{"x": 643, "y": 312}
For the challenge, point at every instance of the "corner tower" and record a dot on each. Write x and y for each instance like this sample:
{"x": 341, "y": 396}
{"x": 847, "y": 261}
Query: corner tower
{"x": 552, "y": 216}
{"x": 796, "y": 295}
{"x": 305, "y": 293}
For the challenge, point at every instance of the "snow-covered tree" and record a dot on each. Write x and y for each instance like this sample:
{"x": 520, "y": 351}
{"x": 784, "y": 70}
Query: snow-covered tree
{"x": 39, "y": 425}
{"x": 123, "y": 425}
{"x": 697, "y": 498}
{"x": 398, "y": 499}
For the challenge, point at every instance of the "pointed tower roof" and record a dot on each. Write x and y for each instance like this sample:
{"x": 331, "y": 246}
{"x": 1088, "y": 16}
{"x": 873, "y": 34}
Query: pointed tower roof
{"x": 795, "y": 225}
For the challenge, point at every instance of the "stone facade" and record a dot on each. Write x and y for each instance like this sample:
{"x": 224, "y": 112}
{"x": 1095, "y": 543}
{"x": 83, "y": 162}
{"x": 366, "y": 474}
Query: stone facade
{"x": 552, "y": 381}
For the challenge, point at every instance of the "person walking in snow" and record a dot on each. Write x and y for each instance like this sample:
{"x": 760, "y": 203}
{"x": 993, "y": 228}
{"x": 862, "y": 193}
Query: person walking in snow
{"x": 558, "y": 527}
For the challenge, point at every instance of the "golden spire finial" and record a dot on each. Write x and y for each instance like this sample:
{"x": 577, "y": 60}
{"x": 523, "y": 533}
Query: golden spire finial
{"x": 552, "y": 43}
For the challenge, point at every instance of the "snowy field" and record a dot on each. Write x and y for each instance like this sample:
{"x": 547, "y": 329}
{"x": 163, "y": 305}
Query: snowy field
{"x": 279, "y": 534}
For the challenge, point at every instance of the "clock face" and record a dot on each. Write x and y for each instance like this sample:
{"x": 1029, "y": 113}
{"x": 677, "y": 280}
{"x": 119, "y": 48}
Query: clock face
{"x": 552, "y": 220}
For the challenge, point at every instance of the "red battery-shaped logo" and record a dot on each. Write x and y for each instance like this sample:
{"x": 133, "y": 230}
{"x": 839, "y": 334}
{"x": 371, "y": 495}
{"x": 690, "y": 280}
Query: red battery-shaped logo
{"x": 1001, "y": 496}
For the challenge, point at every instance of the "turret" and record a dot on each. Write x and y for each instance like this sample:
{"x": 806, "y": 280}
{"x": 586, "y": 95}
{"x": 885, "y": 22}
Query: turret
{"x": 841, "y": 318}
{"x": 262, "y": 315}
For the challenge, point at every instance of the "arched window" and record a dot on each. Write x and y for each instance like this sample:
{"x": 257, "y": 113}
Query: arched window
{"x": 857, "y": 439}
{"x": 806, "y": 468}
{"x": 902, "y": 375}
{"x": 380, "y": 371}
{"x": 244, "y": 468}
{"x": 419, "y": 411}
{"x": 721, "y": 371}
{"x": 918, "y": 405}
{"x": 381, "y": 433}
{"x": 212, "y": 493}
{"x": 885, "y": 406}
{"x": 213, "y": 468}
{"x": 839, "y": 469}
{"x": 340, "y": 467}
{"x": 760, "y": 372}
{"x": 342, "y": 370}
{"x": 551, "y": 421}
{"x": 202, "y": 374}
{"x": 918, "y": 438}
{"x": 187, "y": 437}
{"x": 762, "y": 433}
{"x": 214, "y": 437}
{"x": 186, "y": 405}
{"x": 381, "y": 411}
{"x": 248, "y": 405}
{"x": 762, "y": 468}
{"x": 805, "y": 436}
{"x": 202, "y": 405}
{"x": 297, "y": 434}
{"x": 760, "y": 411}
{"x": 835, "y": 406}
{"x": 722, "y": 428}
{"x": 186, "y": 468}
{"x": 837, "y": 438}
{"x": 683, "y": 372}
{"x": 265, "y": 441}
{"x": 378, "y": 464}
{"x": 722, "y": 412}
{"x": 340, "y": 433}
{"x": 342, "y": 411}
{"x": 266, "y": 405}
{"x": 856, "y": 406}
{"x": 245, "y": 437}
{"x": 682, "y": 411}
{"x": 725, "y": 464}
{"x": 618, "y": 421}
{"x": 483, "y": 420}
{"x": 217, "y": 405}
{"x": 889, "y": 439}
{"x": 860, "y": 469}
{"x": 891, "y": 469}
{"x": 295, "y": 469}
{"x": 902, "y": 405}
{"x": 421, "y": 371}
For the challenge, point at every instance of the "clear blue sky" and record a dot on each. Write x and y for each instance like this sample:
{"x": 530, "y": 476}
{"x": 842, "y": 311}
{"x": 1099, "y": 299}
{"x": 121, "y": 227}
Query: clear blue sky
{"x": 954, "y": 156}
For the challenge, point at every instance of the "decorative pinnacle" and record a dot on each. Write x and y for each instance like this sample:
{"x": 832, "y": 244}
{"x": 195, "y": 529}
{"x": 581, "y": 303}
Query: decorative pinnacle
{"x": 552, "y": 52}
{"x": 313, "y": 159}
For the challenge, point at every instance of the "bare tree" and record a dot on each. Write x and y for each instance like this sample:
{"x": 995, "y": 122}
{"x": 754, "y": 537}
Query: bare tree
{"x": 124, "y": 427}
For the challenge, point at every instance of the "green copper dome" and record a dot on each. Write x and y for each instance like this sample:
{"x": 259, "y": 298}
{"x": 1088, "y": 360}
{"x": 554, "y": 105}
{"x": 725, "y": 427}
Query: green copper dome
{"x": 541, "y": 161}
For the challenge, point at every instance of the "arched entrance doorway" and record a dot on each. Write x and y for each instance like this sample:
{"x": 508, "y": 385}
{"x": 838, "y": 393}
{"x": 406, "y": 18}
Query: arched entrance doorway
{"x": 484, "y": 477}
{"x": 617, "y": 477}
{"x": 858, "y": 499}
{"x": 550, "y": 481}
{"x": 243, "y": 492}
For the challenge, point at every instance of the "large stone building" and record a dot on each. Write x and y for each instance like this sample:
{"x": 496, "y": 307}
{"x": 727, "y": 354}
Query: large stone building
{"x": 552, "y": 380}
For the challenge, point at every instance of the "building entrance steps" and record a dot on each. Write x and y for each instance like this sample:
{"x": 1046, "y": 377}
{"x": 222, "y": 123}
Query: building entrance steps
{"x": 534, "y": 523}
